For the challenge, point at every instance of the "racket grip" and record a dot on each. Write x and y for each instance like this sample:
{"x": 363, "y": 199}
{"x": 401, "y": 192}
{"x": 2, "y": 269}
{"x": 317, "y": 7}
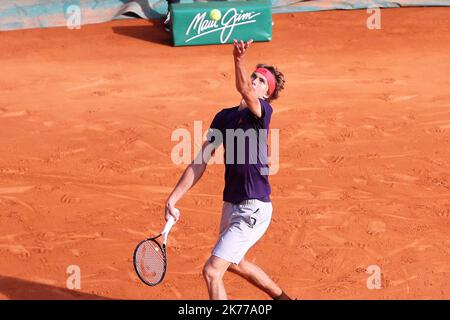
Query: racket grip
{"x": 168, "y": 226}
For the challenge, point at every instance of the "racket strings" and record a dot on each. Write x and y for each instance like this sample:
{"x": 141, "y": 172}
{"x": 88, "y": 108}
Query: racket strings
{"x": 150, "y": 262}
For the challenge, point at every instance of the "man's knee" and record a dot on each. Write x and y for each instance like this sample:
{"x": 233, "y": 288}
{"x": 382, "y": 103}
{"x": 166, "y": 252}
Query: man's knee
{"x": 211, "y": 272}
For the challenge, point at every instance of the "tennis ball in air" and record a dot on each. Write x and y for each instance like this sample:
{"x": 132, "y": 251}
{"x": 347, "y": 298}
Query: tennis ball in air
{"x": 215, "y": 14}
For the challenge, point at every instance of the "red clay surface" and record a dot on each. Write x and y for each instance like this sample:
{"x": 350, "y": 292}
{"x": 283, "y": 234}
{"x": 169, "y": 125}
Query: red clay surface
{"x": 86, "y": 118}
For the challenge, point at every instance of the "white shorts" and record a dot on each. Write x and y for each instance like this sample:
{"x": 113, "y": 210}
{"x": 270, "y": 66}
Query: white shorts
{"x": 241, "y": 226}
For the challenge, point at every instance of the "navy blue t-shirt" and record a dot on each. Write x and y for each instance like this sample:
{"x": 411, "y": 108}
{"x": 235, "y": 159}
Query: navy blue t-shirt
{"x": 244, "y": 137}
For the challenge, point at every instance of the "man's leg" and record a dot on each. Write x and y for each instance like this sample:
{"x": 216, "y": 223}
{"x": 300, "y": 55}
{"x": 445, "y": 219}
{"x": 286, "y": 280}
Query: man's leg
{"x": 213, "y": 272}
{"x": 255, "y": 275}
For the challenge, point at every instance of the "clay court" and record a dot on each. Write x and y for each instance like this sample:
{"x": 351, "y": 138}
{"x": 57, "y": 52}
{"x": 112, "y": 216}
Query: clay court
{"x": 86, "y": 118}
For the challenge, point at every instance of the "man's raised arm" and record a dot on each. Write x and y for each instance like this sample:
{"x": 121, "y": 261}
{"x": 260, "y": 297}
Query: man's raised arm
{"x": 243, "y": 83}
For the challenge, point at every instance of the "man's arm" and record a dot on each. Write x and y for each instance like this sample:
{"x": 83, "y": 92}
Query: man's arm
{"x": 243, "y": 83}
{"x": 190, "y": 176}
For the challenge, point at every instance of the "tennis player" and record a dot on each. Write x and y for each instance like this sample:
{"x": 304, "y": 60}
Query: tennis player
{"x": 247, "y": 207}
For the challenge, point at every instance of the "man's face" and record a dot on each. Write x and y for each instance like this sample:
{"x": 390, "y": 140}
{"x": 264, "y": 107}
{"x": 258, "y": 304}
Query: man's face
{"x": 260, "y": 85}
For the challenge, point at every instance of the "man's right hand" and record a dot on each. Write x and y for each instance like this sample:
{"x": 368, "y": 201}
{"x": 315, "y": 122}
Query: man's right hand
{"x": 171, "y": 211}
{"x": 240, "y": 47}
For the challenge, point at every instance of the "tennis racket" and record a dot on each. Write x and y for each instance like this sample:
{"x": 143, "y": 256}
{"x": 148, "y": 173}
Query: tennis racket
{"x": 149, "y": 258}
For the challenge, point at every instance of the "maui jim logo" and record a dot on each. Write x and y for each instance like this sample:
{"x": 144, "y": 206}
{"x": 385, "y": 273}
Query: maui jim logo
{"x": 231, "y": 19}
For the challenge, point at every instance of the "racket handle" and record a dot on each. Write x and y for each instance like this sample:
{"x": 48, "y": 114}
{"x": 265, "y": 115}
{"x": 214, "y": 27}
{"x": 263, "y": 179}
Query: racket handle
{"x": 167, "y": 227}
